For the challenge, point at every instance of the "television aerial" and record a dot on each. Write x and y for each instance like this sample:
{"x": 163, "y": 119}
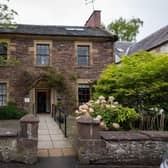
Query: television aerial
{"x": 90, "y": 2}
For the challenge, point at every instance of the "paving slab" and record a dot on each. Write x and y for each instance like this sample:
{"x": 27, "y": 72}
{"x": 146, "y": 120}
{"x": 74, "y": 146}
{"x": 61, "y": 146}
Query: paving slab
{"x": 45, "y": 144}
{"x": 55, "y": 152}
{"x": 51, "y": 140}
{"x": 43, "y": 153}
{"x": 68, "y": 152}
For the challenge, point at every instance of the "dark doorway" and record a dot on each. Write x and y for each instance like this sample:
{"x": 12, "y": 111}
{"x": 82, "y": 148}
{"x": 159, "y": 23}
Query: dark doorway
{"x": 43, "y": 101}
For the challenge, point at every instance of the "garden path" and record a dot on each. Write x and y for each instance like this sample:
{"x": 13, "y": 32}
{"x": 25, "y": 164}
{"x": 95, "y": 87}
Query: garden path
{"x": 51, "y": 141}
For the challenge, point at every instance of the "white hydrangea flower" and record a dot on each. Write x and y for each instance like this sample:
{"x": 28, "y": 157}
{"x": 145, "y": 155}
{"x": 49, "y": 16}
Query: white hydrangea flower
{"x": 91, "y": 110}
{"x": 103, "y": 101}
{"x": 116, "y": 125}
{"x": 116, "y": 103}
{"x": 111, "y": 98}
{"x": 97, "y": 102}
{"x": 101, "y": 98}
{"x": 108, "y": 106}
{"x": 99, "y": 117}
{"x": 103, "y": 125}
{"x": 83, "y": 107}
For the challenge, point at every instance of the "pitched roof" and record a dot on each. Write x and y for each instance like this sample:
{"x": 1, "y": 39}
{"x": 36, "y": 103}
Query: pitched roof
{"x": 152, "y": 41}
{"x": 58, "y": 31}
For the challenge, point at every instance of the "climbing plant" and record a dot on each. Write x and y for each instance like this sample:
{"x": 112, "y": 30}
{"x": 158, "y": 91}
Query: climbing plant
{"x": 11, "y": 61}
{"x": 54, "y": 78}
{"x": 50, "y": 77}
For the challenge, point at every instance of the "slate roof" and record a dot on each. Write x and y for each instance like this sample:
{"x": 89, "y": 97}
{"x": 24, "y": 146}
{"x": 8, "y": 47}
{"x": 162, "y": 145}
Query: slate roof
{"x": 121, "y": 48}
{"x": 155, "y": 39}
{"x": 58, "y": 31}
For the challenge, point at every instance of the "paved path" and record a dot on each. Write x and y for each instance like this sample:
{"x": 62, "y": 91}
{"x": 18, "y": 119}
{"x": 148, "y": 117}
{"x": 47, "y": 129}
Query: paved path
{"x": 51, "y": 141}
{"x": 54, "y": 150}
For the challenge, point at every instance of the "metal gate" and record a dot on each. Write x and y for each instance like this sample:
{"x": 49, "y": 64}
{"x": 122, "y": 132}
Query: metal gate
{"x": 60, "y": 116}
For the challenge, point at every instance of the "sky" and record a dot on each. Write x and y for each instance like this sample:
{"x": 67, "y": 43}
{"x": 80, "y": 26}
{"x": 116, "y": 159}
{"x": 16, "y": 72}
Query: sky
{"x": 154, "y": 13}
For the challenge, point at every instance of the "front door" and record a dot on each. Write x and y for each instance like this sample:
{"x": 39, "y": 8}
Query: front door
{"x": 42, "y": 101}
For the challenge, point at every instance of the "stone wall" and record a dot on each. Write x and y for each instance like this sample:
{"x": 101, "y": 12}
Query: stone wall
{"x": 20, "y": 146}
{"x": 112, "y": 148}
{"x": 63, "y": 56}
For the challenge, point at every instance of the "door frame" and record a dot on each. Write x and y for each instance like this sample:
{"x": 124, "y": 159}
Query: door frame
{"x": 48, "y": 96}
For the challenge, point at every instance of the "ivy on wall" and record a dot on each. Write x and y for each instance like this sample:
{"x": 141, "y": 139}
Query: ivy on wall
{"x": 50, "y": 77}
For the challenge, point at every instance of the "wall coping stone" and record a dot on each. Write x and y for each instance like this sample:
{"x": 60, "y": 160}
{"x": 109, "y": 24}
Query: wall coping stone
{"x": 134, "y": 135}
{"x": 29, "y": 118}
{"x": 87, "y": 120}
{"x": 156, "y": 135}
{"x": 6, "y": 132}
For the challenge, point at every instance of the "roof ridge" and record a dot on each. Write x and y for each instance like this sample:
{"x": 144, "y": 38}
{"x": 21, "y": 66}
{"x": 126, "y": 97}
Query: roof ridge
{"x": 157, "y": 31}
{"x": 49, "y": 25}
{"x": 59, "y": 30}
{"x": 151, "y": 41}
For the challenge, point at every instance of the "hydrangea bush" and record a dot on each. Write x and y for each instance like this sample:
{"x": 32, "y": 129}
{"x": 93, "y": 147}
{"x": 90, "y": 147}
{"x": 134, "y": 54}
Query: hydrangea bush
{"x": 111, "y": 114}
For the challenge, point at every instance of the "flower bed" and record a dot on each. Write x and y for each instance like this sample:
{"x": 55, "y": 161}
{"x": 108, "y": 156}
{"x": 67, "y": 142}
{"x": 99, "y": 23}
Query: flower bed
{"x": 110, "y": 114}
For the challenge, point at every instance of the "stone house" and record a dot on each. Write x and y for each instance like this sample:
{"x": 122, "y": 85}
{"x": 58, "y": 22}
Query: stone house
{"x": 121, "y": 48}
{"x": 156, "y": 42}
{"x": 83, "y": 52}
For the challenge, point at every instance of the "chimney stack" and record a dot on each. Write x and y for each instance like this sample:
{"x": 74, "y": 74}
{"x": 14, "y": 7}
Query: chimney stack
{"x": 94, "y": 20}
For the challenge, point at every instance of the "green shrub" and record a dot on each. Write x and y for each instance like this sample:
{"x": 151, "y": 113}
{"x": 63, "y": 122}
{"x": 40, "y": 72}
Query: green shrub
{"x": 124, "y": 116}
{"x": 11, "y": 112}
{"x": 141, "y": 81}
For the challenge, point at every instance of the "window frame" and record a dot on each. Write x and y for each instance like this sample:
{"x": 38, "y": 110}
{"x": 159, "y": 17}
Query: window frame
{"x": 41, "y": 42}
{"x": 89, "y": 90}
{"x": 84, "y": 44}
{"x": 41, "y": 56}
{"x": 6, "y": 52}
{"x": 82, "y": 81}
{"x": 7, "y": 42}
{"x": 7, "y": 88}
{"x": 79, "y": 55}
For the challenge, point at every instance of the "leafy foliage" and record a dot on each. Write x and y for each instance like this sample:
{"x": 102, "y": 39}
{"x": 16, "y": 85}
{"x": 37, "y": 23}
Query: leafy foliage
{"x": 141, "y": 82}
{"x": 11, "y": 112}
{"x": 126, "y": 30}
{"x": 54, "y": 78}
{"x": 9, "y": 62}
{"x": 7, "y": 15}
{"x": 117, "y": 114}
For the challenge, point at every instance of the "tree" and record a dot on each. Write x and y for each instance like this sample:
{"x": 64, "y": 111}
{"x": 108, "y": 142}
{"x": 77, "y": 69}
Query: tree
{"x": 6, "y": 19}
{"x": 6, "y": 15}
{"x": 141, "y": 81}
{"x": 126, "y": 30}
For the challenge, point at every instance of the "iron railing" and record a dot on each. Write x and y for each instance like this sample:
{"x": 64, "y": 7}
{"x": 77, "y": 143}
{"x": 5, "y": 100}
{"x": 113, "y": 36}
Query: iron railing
{"x": 60, "y": 116}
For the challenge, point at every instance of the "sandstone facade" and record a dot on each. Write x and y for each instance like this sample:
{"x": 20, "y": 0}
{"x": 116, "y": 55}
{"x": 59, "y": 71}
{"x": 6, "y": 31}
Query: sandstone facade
{"x": 63, "y": 55}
